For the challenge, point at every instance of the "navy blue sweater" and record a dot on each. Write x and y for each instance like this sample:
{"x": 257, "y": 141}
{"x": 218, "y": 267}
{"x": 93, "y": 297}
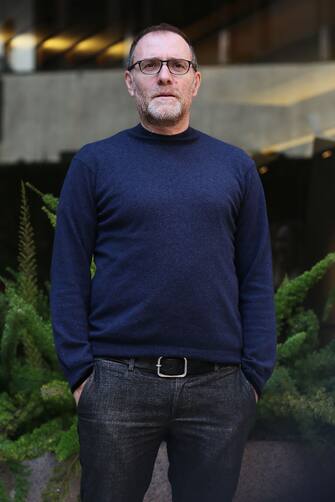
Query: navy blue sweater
{"x": 179, "y": 231}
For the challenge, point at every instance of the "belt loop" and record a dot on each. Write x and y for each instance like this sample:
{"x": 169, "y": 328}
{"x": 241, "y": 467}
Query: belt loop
{"x": 216, "y": 366}
{"x": 131, "y": 363}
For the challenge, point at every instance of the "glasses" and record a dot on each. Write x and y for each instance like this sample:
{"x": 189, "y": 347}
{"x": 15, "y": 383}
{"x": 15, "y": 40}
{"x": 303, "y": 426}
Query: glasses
{"x": 153, "y": 66}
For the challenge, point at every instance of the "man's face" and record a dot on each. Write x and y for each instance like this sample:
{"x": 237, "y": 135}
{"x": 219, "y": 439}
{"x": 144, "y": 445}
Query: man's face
{"x": 148, "y": 89}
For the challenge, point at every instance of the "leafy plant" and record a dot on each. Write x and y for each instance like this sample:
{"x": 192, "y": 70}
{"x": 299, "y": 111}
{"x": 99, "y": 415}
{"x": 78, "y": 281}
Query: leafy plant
{"x": 37, "y": 409}
{"x": 299, "y": 398}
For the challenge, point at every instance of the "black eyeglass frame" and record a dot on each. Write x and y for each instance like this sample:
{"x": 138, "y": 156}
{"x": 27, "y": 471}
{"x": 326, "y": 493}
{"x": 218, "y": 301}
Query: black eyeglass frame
{"x": 190, "y": 63}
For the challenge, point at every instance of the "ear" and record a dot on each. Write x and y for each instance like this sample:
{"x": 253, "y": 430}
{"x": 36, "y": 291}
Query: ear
{"x": 196, "y": 83}
{"x": 128, "y": 78}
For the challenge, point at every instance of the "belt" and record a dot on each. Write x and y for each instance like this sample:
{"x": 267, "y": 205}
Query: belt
{"x": 172, "y": 366}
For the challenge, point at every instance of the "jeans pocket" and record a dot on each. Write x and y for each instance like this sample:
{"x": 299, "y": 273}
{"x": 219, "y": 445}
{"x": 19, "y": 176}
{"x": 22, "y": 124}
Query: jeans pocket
{"x": 108, "y": 368}
{"x": 86, "y": 387}
{"x": 227, "y": 369}
{"x": 248, "y": 385}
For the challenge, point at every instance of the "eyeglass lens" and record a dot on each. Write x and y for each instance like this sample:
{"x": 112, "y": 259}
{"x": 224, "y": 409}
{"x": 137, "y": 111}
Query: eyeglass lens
{"x": 177, "y": 66}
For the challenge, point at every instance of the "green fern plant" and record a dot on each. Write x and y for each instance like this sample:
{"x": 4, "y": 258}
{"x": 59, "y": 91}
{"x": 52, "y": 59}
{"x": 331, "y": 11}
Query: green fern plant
{"x": 299, "y": 398}
{"x": 27, "y": 279}
{"x": 50, "y": 208}
{"x": 37, "y": 409}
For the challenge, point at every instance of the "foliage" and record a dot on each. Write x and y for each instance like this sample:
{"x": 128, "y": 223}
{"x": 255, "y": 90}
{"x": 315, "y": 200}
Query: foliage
{"x": 299, "y": 398}
{"x": 37, "y": 409}
{"x": 38, "y": 412}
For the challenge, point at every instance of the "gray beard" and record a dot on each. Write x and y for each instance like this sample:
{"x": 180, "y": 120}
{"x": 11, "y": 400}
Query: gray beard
{"x": 167, "y": 115}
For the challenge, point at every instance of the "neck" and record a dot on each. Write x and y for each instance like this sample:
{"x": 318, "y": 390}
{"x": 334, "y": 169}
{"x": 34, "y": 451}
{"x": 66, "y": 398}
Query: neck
{"x": 168, "y": 129}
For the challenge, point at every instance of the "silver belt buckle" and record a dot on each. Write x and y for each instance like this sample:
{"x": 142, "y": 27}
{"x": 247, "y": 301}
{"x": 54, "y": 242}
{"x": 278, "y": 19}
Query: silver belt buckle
{"x": 170, "y": 376}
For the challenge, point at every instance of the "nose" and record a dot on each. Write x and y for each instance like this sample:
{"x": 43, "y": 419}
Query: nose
{"x": 164, "y": 73}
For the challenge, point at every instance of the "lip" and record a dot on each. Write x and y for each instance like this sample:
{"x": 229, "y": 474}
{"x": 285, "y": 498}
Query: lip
{"x": 164, "y": 96}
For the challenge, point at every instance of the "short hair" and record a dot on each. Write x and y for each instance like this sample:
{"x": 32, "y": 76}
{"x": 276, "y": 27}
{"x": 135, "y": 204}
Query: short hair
{"x": 160, "y": 27}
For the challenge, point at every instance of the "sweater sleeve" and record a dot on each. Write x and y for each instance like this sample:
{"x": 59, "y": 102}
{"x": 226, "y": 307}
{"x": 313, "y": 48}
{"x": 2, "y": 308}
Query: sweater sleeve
{"x": 73, "y": 246}
{"x": 256, "y": 290}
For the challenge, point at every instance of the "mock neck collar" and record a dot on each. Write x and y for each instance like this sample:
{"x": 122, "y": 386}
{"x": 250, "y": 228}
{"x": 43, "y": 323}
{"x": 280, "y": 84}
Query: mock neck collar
{"x": 140, "y": 132}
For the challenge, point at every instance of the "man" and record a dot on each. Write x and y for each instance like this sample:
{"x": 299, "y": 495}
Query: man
{"x": 174, "y": 338}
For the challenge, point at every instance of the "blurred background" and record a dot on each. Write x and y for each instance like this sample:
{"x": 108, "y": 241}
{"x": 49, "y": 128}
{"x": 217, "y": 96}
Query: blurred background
{"x": 268, "y": 86}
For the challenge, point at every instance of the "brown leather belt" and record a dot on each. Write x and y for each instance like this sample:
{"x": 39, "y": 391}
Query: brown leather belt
{"x": 166, "y": 366}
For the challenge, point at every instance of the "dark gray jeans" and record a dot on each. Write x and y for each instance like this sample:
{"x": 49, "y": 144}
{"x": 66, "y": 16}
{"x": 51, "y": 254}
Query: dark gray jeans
{"x": 124, "y": 413}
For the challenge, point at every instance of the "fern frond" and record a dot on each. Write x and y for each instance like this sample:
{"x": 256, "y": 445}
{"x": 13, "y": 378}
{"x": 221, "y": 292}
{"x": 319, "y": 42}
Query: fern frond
{"x": 290, "y": 349}
{"x": 50, "y": 203}
{"x": 49, "y": 200}
{"x": 27, "y": 278}
{"x": 291, "y": 293}
{"x": 50, "y": 215}
{"x": 32, "y": 444}
{"x": 68, "y": 443}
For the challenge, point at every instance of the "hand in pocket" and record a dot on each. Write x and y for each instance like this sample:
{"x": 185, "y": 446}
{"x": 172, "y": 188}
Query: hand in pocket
{"x": 77, "y": 392}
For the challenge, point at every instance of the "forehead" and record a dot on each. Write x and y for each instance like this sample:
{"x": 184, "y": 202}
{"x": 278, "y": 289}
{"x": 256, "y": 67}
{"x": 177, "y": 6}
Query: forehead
{"x": 162, "y": 44}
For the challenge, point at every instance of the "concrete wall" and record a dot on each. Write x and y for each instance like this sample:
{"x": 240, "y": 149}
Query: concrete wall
{"x": 252, "y": 106}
